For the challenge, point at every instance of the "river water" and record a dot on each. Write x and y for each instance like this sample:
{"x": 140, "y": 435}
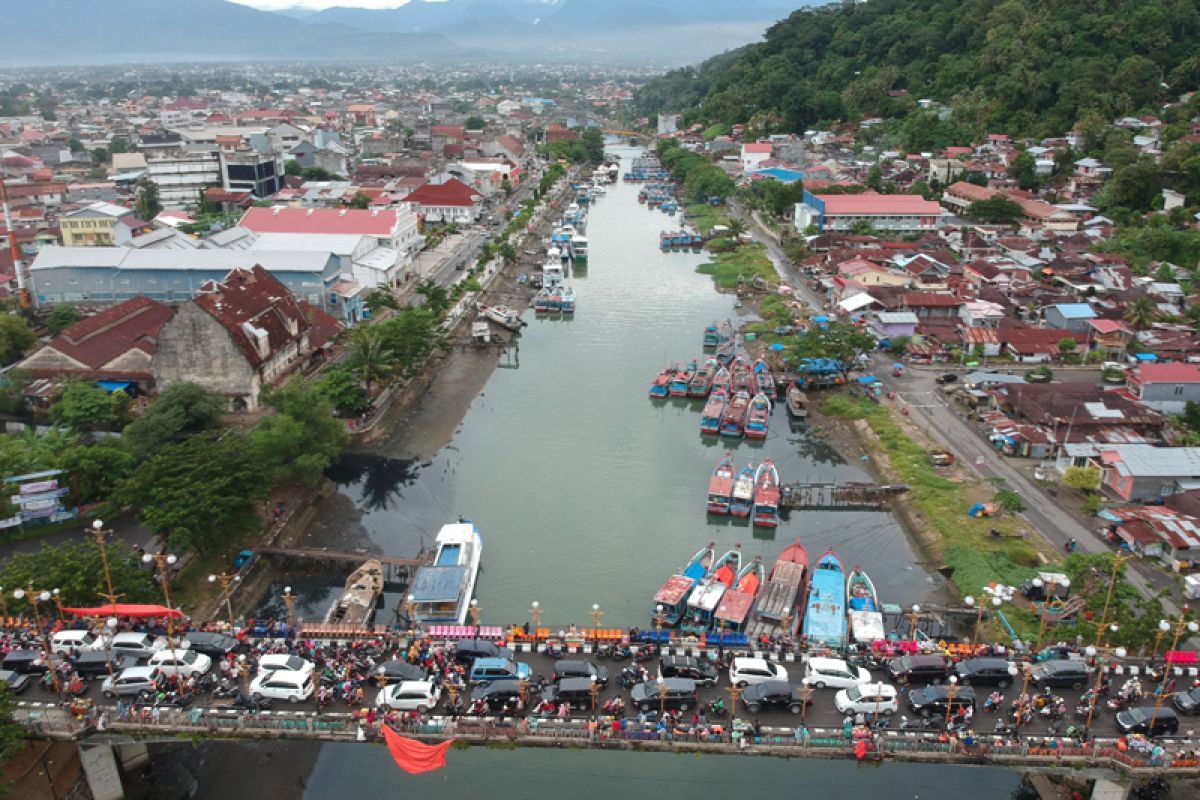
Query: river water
{"x": 585, "y": 491}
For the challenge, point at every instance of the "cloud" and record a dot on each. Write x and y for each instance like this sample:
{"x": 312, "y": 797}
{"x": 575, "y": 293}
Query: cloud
{"x": 275, "y": 5}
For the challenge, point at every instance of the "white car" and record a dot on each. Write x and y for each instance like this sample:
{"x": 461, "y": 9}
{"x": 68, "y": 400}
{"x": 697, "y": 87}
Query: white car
{"x": 409, "y": 696}
{"x": 822, "y": 672}
{"x": 292, "y": 663}
{"x": 867, "y": 698}
{"x": 64, "y": 642}
{"x": 183, "y": 663}
{"x": 745, "y": 672}
{"x": 282, "y": 684}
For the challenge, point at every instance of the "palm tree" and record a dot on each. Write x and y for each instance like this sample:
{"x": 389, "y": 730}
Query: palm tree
{"x": 437, "y": 298}
{"x": 371, "y": 356}
{"x": 736, "y": 227}
{"x": 1141, "y": 313}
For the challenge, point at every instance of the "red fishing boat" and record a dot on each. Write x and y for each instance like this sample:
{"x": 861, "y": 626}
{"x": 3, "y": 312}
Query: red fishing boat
{"x": 781, "y": 603}
{"x": 766, "y": 495}
{"x": 764, "y": 380}
{"x": 720, "y": 486}
{"x": 743, "y": 378}
{"x": 758, "y": 416}
{"x": 714, "y": 408}
{"x": 723, "y": 381}
{"x": 678, "y": 387}
{"x": 661, "y": 387}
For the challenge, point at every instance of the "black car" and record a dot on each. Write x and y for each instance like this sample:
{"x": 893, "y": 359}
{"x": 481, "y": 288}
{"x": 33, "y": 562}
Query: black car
{"x": 26, "y": 662}
{"x": 1138, "y": 719}
{"x": 17, "y": 682}
{"x": 932, "y": 700}
{"x": 467, "y": 650}
{"x": 703, "y": 672}
{"x": 947, "y": 377}
{"x": 677, "y": 694}
{"x": 984, "y": 671}
{"x": 498, "y": 694}
{"x": 919, "y": 669}
{"x": 396, "y": 671}
{"x": 1187, "y": 702}
{"x": 94, "y": 663}
{"x": 773, "y": 694}
{"x": 575, "y": 692}
{"x": 215, "y": 645}
{"x": 1061, "y": 672}
{"x": 571, "y": 668}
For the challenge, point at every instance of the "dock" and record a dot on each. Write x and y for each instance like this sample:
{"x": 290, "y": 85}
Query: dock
{"x": 852, "y": 496}
{"x": 396, "y": 569}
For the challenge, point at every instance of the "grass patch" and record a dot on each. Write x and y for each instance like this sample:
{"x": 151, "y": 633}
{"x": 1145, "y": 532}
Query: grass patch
{"x": 705, "y": 216}
{"x": 713, "y": 131}
{"x": 748, "y": 261}
{"x": 976, "y": 557}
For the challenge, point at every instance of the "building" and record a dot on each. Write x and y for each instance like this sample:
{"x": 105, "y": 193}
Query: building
{"x": 667, "y": 124}
{"x": 182, "y": 174}
{"x": 452, "y": 201}
{"x": 1139, "y": 472}
{"x": 1075, "y": 317}
{"x": 236, "y": 337}
{"x": 99, "y": 225}
{"x": 1158, "y": 532}
{"x": 247, "y": 170}
{"x": 754, "y": 154}
{"x": 882, "y": 212}
{"x": 1167, "y": 388}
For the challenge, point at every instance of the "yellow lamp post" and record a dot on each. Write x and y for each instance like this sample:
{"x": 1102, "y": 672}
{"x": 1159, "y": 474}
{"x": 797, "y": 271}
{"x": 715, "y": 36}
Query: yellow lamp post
{"x": 475, "y": 609}
{"x": 914, "y": 614}
{"x": 1164, "y": 628}
{"x": 35, "y": 597}
{"x": 56, "y": 598}
{"x": 596, "y": 615}
{"x": 806, "y": 693}
{"x": 594, "y": 691}
{"x": 1100, "y": 652}
{"x": 99, "y": 533}
{"x": 226, "y": 581}
{"x": 951, "y": 693}
{"x": 165, "y": 563}
{"x": 734, "y": 693}
{"x": 535, "y": 616}
{"x": 1180, "y": 625}
{"x": 290, "y": 601}
{"x": 659, "y": 616}
{"x": 662, "y": 699}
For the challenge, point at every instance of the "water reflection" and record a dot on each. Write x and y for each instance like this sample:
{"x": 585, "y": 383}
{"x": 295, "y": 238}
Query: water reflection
{"x": 378, "y": 477}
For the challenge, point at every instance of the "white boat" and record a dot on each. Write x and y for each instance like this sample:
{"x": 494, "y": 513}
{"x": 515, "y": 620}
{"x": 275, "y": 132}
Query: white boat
{"x": 441, "y": 593}
{"x": 356, "y": 603}
{"x": 566, "y": 299}
{"x": 579, "y": 248}
{"x": 503, "y": 315}
{"x": 552, "y": 273}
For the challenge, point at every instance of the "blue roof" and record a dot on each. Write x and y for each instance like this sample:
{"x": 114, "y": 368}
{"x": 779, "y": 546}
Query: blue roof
{"x": 1145, "y": 356}
{"x": 438, "y": 584}
{"x": 1075, "y": 310}
{"x": 825, "y": 619}
{"x": 782, "y": 175}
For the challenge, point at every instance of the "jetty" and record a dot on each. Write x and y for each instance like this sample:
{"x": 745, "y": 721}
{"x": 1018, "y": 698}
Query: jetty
{"x": 396, "y": 569}
{"x": 850, "y": 496}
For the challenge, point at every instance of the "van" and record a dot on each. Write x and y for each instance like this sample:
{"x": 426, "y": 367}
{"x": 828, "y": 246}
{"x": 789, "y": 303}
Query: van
{"x": 94, "y": 663}
{"x": 822, "y": 672}
{"x": 138, "y": 645}
{"x": 677, "y": 694}
{"x": 570, "y": 668}
{"x": 1149, "y": 721}
{"x": 575, "y": 692}
{"x": 486, "y": 670}
{"x": 184, "y": 663}
{"x": 917, "y": 668}
{"x": 282, "y": 684}
{"x": 467, "y": 650}
{"x": 284, "y": 661}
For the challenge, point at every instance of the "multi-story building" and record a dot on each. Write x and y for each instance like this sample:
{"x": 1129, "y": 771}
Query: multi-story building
{"x": 99, "y": 225}
{"x": 182, "y": 174}
{"x": 882, "y": 212}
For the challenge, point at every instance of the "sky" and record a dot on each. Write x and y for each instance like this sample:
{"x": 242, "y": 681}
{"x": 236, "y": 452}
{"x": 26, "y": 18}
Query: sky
{"x": 272, "y": 5}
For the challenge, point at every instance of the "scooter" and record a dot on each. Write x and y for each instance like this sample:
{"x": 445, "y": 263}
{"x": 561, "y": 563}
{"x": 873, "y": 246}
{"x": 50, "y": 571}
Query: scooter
{"x": 250, "y": 704}
{"x": 716, "y": 708}
{"x": 226, "y": 688}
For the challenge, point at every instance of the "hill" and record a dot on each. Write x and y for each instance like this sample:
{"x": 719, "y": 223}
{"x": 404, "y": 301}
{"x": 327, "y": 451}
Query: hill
{"x": 1015, "y": 66}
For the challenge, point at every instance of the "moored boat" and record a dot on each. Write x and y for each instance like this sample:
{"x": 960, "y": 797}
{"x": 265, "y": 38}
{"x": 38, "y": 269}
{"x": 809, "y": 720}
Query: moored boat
{"x": 701, "y": 383}
{"x": 743, "y": 378}
{"x": 714, "y": 407}
{"x": 671, "y": 598}
{"x": 717, "y": 332}
{"x": 734, "y": 418}
{"x": 566, "y": 299}
{"x": 780, "y": 606}
{"x": 720, "y": 486}
{"x": 764, "y": 379}
{"x": 703, "y": 601}
{"x": 503, "y": 316}
{"x": 733, "y": 611}
{"x": 862, "y": 608}
{"x": 742, "y": 497}
{"x": 725, "y": 351}
{"x": 679, "y": 383}
{"x": 758, "y": 417}
{"x": 722, "y": 381}
{"x": 661, "y": 386}
{"x": 797, "y": 402}
{"x": 356, "y": 603}
{"x": 441, "y": 592}
{"x": 766, "y": 495}
{"x": 825, "y": 616}
{"x": 541, "y": 301}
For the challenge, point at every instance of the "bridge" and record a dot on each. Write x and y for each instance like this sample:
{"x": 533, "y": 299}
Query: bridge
{"x": 851, "y": 496}
{"x": 396, "y": 569}
{"x": 627, "y": 134}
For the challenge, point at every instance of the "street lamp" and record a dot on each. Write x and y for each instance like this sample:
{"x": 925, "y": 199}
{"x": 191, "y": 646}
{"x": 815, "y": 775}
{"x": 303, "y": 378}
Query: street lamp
{"x": 658, "y": 622}
{"x": 735, "y": 692}
{"x": 662, "y": 699}
{"x": 594, "y": 691}
{"x": 916, "y": 610}
{"x": 535, "y": 615}
{"x": 34, "y": 596}
{"x": 1181, "y": 625}
{"x": 99, "y": 533}
{"x": 290, "y": 601}
{"x": 1163, "y": 628}
{"x": 165, "y": 563}
{"x": 475, "y": 614}
{"x": 596, "y": 615}
{"x": 55, "y": 596}
{"x": 226, "y": 582}
{"x": 806, "y": 693}
{"x": 951, "y": 693}
{"x": 410, "y": 604}
{"x": 1100, "y": 652}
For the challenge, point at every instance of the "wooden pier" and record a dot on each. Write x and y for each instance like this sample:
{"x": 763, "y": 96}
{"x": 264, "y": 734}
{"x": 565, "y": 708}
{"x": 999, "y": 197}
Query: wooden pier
{"x": 396, "y": 569}
{"x": 854, "y": 496}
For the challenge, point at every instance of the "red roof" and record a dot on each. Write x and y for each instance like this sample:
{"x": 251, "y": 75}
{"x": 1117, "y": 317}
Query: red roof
{"x": 449, "y": 131}
{"x": 324, "y": 326}
{"x": 451, "y": 193}
{"x": 871, "y": 203}
{"x": 1168, "y": 373}
{"x": 253, "y": 298}
{"x": 277, "y": 219}
{"x": 930, "y": 300}
{"x": 97, "y": 340}
{"x": 757, "y": 147}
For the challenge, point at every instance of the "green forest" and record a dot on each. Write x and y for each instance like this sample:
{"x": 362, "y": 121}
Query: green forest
{"x": 1023, "y": 67}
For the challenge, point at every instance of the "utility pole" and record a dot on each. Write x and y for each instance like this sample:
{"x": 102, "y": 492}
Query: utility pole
{"x": 13, "y": 249}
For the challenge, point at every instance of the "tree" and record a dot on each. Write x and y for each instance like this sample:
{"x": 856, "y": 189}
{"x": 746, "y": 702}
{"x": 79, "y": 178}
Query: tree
{"x": 381, "y": 298}
{"x": 15, "y": 338}
{"x": 1141, "y": 313}
{"x": 593, "y": 144}
{"x": 76, "y": 146}
{"x": 292, "y": 167}
{"x": 13, "y": 384}
{"x": 302, "y": 438}
{"x": 346, "y": 393}
{"x": 76, "y": 570}
{"x": 899, "y": 345}
{"x": 1040, "y": 374}
{"x": 12, "y": 733}
{"x": 1009, "y": 500}
{"x": 62, "y": 317}
{"x": 412, "y": 335}
{"x": 1085, "y": 479}
{"x": 119, "y": 144}
{"x": 1023, "y": 169}
{"x": 181, "y": 410}
{"x": 100, "y": 156}
{"x": 437, "y": 298}
{"x": 360, "y": 200}
{"x": 148, "y": 207}
{"x": 370, "y": 356}
{"x": 475, "y": 124}
{"x": 996, "y": 210}
{"x": 98, "y": 469}
{"x": 840, "y": 342}
{"x": 84, "y": 407}
{"x": 506, "y": 252}
{"x": 1067, "y": 345}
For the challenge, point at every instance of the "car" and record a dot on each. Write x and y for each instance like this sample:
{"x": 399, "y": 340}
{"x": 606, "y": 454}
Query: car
{"x": 918, "y": 668}
{"x": 282, "y": 684}
{"x": 748, "y": 671}
{"x": 702, "y": 671}
{"x": 467, "y": 650}
{"x": 1148, "y": 720}
{"x": 94, "y": 663}
{"x": 571, "y": 668}
{"x": 138, "y": 645}
{"x": 984, "y": 671}
{"x": 486, "y": 670}
{"x": 184, "y": 663}
{"x": 498, "y": 694}
{"x": 26, "y": 662}
{"x": 821, "y": 672}
{"x": 575, "y": 692}
{"x": 777, "y": 694}
{"x": 1061, "y": 672}
{"x": 214, "y": 645}
{"x": 947, "y": 377}
{"x": 409, "y": 696}
{"x": 933, "y": 700}
{"x": 867, "y": 698}
{"x": 17, "y": 682}
{"x": 284, "y": 661}
{"x": 132, "y": 681}
{"x": 397, "y": 671}
{"x": 1187, "y": 702}
{"x": 66, "y": 642}
{"x": 677, "y": 694}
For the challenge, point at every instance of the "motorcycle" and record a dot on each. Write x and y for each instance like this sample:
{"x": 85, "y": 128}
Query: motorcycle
{"x": 613, "y": 706}
{"x": 250, "y": 704}
{"x": 647, "y": 653}
{"x": 226, "y": 688}
{"x": 716, "y": 708}
{"x": 629, "y": 676}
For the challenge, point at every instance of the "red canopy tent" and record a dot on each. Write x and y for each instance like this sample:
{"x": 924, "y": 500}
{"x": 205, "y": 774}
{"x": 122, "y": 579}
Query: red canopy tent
{"x": 125, "y": 610}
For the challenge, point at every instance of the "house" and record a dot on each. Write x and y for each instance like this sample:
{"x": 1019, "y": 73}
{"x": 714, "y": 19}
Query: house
{"x": 845, "y": 212}
{"x": 452, "y": 201}
{"x": 754, "y": 154}
{"x": 1081, "y": 413}
{"x": 1158, "y": 532}
{"x": 1110, "y": 336}
{"x": 1034, "y": 345}
{"x": 1069, "y": 316}
{"x": 1138, "y": 472}
{"x": 113, "y": 347}
{"x": 1167, "y": 388}
{"x": 236, "y": 338}
{"x": 931, "y": 305}
{"x": 894, "y": 324}
{"x": 981, "y": 314}
{"x": 99, "y": 224}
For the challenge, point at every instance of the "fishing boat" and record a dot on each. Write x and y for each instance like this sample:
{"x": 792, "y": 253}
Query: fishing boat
{"x": 670, "y": 600}
{"x": 706, "y": 596}
{"x": 764, "y": 379}
{"x": 566, "y": 299}
{"x": 356, "y": 603}
{"x": 862, "y": 608}
{"x": 825, "y": 616}
{"x": 797, "y": 403}
{"x": 720, "y": 486}
{"x": 734, "y": 418}
{"x": 661, "y": 386}
{"x": 733, "y": 611}
{"x": 722, "y": 381}
{"x": 579, "y": 248}
{"x": 552, "y": 273}
{"x": 441, "y": 592}
{"x": 743, "y": 378}
{"x": 742, "y": 497}
{"x": 758, "y": 417}
{"x": 504, "y": 316}
{"x": 710, "y": 418}
{"x": 766, "y": 495}
{"x": 725, "y": 351}
{"x": 541, "y": 301}
{"x": 702, "y": 382}
{"x": 717, "y": 332}
{"x": 679, "y": 383}
{"x": 780, "y": 605}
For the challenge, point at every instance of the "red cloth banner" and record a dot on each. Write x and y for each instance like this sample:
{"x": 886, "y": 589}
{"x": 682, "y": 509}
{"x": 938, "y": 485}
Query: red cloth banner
{"x": 125, "y": 610}
{"x": 415, "y": 757}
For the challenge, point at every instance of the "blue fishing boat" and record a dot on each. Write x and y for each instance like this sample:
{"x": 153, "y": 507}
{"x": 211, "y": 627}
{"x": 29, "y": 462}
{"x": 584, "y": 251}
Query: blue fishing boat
{"x": 825, "y": 618}
{"x": 683, "y": 378}
{"x": 566, "y": 299}
{"x": 670, "y": 600}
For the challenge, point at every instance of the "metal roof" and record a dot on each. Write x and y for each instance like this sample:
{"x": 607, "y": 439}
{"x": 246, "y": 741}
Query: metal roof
{"x": 128, "y": 258}
{"x": 1144, "y": 460}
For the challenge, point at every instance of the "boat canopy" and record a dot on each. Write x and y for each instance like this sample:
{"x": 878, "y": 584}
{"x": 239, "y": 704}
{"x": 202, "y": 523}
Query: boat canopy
{"x": 867, "y": 626}
{"x": 734, "y": 607}
{"x": 725, "y": 575}
{"x": 707, "y": 596}
{"x": 438, "y": 584}
{"x": 674, "y": 590}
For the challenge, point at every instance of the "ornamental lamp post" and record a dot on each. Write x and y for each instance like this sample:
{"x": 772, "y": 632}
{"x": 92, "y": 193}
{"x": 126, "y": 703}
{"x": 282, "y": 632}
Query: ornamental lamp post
{"x": 410, "y": 612}
{"x": 596, "y": 615}
{"x": 735, "y": 692}
{"x": 806, "y": 693}
{"x": 951, "y": 693}
{"x": 915, "y": 613}
{"x": 594, "y": 691}
{"x": 290, "y": 600}
{"x": 535, "y": 615}
{"x": 1100, "y": 653}
{"x": 34, "y": 597}
{"x": 165, "y": 563}
{"x": 1181, "y": 625}
{"x": 99, "y": 533}
{"x": 659, "y": 614}
{"x": 226, "y": 581}
{"x": 1164, "y": 628}
{"x": 475, "y": 614}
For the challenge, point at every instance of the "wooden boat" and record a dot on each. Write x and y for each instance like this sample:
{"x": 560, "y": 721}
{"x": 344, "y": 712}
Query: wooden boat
{"x": 797, "y": 402}
{"x": 734, "y": 418}
{"x": 743, "y": 378}
{"x": 766, "y": 495}
{"x": 764, "y": 379}
{"x": 714, "y": 408}
{"x": 662, "y": 384}
{"x": 720, "y": 486}
{"x": 356, "y": 603}
{"x": 780, "y": 606}
{"x": 725, "y": 351}
{"x": 671, "y": 598}
{"x": 566, "y": 299}
{"x": 718, "y": 333}
{"x": 702, "y": 382}
{"x": 542, "y": 300}
{"x": 679, "y": 383}
{"x": 723, "y": 381}
{"x": 703, "y": 601}
{"x": 742, "y": 497}
{"x": 862, "y": 608}
{"x": 758, "y": 417}
{"x": 733, "y": 612}
{"x": 825, "y": 616}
